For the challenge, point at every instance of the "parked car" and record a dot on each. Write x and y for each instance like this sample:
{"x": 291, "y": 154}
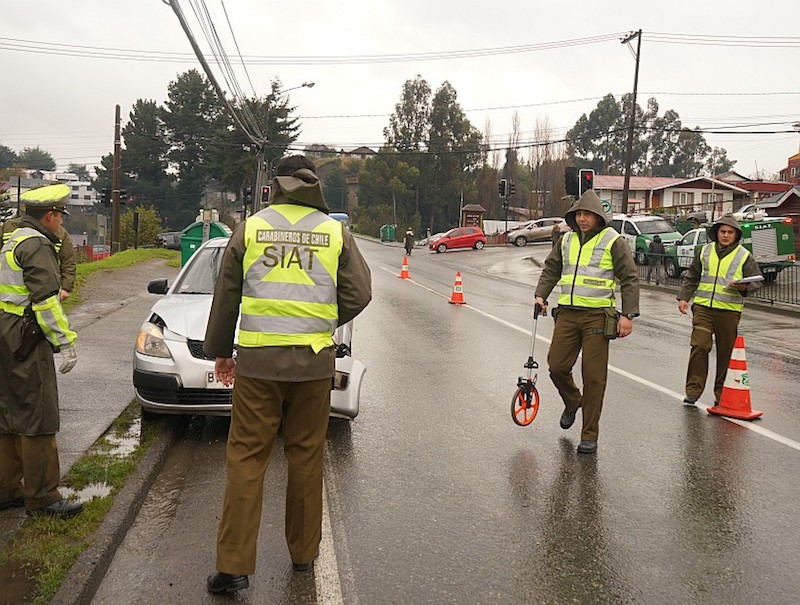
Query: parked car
{"x": 535, "y": 231}
{"x": 679, "y": 256}
{"x": 460, "y": 237}
{"x": 171, "y": 240}
{"x": 171, "y": 372}
{"x": 638, "y": 231}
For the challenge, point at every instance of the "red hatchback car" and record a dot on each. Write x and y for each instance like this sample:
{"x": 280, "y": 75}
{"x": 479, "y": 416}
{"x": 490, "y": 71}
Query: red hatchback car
{"x": 460, "y": 237}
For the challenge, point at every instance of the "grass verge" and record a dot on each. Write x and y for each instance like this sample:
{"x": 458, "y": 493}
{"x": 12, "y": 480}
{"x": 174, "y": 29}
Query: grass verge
{"x": 120, "y": 260}
{"x": 44, "y": 549}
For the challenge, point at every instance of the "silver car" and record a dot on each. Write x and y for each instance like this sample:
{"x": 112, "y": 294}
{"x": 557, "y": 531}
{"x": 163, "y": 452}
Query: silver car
{"x": 171, "y": 372}
{"x": 536, "y": 231}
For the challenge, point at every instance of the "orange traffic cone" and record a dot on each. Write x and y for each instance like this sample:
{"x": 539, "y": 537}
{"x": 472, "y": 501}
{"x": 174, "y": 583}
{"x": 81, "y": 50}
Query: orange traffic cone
{"x": 458, "y": 294}
{"x": 735, "y": 398}
{"x": 404, "y": 271}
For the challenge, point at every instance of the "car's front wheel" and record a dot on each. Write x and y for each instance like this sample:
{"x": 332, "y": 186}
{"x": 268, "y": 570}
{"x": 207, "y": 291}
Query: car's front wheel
{"x": 478, "y": 245}
{"x": 441, "y": 248}
{"x": 671, "y": 269}
{"x": 641, "y": 257}
{"x": 520, "y": 241}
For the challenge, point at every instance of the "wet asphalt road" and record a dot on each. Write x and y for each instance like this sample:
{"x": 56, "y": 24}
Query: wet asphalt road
{"x": 434, "y": 495}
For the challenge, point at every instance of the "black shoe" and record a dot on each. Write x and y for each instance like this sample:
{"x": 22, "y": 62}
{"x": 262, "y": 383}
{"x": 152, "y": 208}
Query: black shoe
{"x": 690, "y": 400}
{"x": 587, "y": 447}
{"x": 219, "y": 582}
{"x": 305, "y": 566}
{"x": 63, "y": 508}
{"x": 15, "y": 503}
{"x": 567, "y": 419}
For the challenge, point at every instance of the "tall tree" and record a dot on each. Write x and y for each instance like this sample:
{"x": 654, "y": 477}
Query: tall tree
{"x": 388, "y": 181}
{"x": 8, "y": 157}
{"x": 35, "y": 158}
{"x": 80, "y": 171}
{"x": 190, "y": 115}
{"x": 409, "y": 124}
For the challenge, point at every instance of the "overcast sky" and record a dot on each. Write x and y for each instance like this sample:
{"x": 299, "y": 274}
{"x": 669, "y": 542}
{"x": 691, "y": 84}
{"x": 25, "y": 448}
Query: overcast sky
{"x": 65, "y": 104}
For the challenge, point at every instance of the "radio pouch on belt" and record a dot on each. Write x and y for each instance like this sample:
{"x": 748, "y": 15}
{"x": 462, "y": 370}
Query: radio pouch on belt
{"x": 610, "y": 326}
{"x": 31, "y": 335}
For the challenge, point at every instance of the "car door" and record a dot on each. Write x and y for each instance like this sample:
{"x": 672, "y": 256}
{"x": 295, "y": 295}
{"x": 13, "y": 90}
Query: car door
{"x": 455, "y": 238}
{"x": 686, "y": 248}
{"x": 469, "y": 237}
{"x": 629, "y": 233}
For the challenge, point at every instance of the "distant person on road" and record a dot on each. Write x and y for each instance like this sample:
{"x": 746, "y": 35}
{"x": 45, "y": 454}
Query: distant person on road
{"x": 32, "y": 326}
{"x": 655, "y": 258}
{"x": 588, "y": 263}
{"x": 408, "y": 241}
{"x": 718, "y": 302}
{"x": 296, "y": 273}
{"x": 67, "y": 260}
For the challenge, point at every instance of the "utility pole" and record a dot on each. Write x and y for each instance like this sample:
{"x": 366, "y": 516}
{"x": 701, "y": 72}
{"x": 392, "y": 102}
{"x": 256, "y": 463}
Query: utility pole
{"x": 115, "y": 187}
{"x": 629, "y": 150}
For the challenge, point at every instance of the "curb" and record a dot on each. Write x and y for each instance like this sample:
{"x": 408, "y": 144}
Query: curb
{"x": 86, "y": 575}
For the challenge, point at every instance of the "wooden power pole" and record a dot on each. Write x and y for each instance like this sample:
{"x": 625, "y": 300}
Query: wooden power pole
{"x": 115, "y": 187}
{"x": 629, "y": 150}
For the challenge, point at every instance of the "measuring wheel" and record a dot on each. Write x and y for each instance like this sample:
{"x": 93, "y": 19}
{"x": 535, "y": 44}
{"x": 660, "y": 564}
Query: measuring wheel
{"x": 525, "y": 404}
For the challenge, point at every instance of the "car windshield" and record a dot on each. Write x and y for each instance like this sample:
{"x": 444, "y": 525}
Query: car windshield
{"x": 654, "y": 226}
{"x": 201, "y": 275}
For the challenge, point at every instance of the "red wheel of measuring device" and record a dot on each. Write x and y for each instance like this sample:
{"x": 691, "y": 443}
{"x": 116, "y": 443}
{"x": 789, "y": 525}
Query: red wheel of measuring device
{"x": 525, "y": 405}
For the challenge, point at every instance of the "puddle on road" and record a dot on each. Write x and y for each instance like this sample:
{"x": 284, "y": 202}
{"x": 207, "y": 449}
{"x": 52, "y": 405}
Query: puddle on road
{"x": 123, "y": 445}
{"x": 90, "y": 492}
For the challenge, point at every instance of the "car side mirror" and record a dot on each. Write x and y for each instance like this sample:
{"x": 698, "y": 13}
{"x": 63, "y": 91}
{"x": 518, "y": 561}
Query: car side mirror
{"x": 158, "y": 286}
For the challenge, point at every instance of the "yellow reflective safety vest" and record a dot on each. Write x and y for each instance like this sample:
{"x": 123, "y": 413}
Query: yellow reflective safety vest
{"x": 290, "y": 269}
{"x": 713, "y": 291}
{"x": 15, "y": 295}
{"x": 587, "y": 274}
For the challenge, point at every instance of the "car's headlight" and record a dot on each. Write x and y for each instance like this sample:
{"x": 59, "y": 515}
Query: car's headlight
{"x": 150, "y": 341}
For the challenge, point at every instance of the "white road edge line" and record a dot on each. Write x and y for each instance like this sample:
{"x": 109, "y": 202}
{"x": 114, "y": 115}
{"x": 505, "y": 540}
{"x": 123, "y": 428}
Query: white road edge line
{"x": 643, "y": 381}
{"x": 326, "y": 568}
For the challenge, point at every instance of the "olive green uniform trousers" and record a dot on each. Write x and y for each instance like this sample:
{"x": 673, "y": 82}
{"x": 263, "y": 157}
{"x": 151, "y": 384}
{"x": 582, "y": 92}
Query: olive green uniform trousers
{"x": 722, "y": 324}
{"x": 580, "y": 330}
{"x": 29, "y": 470}
{"x": 259, "y": 407}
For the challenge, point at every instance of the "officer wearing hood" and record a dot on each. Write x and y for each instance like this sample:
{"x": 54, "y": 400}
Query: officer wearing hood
{"x": 588, "y": 262}
{"x": 295, "y": 273}
{"x": 718, "y": 302}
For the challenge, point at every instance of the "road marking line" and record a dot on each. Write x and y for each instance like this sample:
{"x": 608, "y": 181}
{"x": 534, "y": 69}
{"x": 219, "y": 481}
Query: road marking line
{"x": 326, "y": 568}
{"x": 643, "y": 381}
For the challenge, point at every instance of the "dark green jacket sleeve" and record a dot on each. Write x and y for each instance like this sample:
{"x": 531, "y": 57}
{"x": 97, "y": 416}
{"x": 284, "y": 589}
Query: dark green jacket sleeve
{"x": 354, "y": 283}
{"x": 68, "y": 261}
{"x": 626, "y": 275}
{"x": 221, "y": 328}
{"x": 551, "y": 274}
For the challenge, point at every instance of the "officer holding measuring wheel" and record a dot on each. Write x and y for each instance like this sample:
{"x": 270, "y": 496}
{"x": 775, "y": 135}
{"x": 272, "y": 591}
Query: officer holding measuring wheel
{"x": 587, "y": 264}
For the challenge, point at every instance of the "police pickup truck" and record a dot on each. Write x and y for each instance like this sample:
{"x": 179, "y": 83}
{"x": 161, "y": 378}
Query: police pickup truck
{"x": 638, "y": 231}
{"x": 769, "y": 240}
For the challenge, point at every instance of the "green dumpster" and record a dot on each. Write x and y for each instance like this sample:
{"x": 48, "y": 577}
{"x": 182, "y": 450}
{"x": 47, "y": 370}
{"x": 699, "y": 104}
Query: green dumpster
{"x": 192, "y": 237}
{"x": 387, "y": 233}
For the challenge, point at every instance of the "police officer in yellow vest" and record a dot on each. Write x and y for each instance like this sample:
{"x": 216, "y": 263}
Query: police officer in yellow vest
{"x": 297, "y": 274}
{"x": 718, "y": 302}
{"x": 29, "y": 417}
{"x": 588, "y": 263}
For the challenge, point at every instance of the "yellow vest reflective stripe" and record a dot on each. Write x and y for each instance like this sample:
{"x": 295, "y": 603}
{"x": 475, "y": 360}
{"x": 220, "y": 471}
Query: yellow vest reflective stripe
{"x": 14, "y": 294}
{"x": 290, "y": 268}
{"x": 587, "y": 274}
{"x": 712, "y": 291}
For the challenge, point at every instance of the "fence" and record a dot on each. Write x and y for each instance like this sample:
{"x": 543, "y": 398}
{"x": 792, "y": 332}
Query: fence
{"x": 784, "y": 289}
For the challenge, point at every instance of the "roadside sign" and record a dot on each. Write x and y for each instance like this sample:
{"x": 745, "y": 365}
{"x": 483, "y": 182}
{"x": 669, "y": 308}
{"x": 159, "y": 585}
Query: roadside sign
{"x": 606, "y": 206}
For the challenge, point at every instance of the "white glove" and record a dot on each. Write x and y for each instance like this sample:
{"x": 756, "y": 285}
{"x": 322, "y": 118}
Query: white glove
{"x": 69, "y": 357}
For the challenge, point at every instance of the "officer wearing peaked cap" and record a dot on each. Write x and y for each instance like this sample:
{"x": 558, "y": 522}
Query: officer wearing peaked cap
{"x": 52, "y": 197}
{"x": 29, "y": 416}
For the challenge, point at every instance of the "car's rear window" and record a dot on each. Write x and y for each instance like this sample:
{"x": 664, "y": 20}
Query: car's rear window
{"x": 654, "y": 226}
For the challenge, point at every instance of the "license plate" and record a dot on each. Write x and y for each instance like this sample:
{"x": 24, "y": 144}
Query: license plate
{"x": 211, "y": 382}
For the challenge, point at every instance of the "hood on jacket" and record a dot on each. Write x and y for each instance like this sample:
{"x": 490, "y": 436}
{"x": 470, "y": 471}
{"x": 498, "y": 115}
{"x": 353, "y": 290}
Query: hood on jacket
{"x": 302, "y": 187}
{"x": 588, "y": 201}
{"x": 725, "y": 219}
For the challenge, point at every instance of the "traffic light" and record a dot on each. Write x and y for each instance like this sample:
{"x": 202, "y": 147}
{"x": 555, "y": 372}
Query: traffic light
{"x": 265, "y": 194}
{"x": 502, "y": 188}
{"x": 571, "y": 181}
{"x": 248, "y": 195}
{"x": 512, "y": 188}
{"x": 105, "y": 196}
{"x": 123, "y": 196}
{"x": 585, "y": 180}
